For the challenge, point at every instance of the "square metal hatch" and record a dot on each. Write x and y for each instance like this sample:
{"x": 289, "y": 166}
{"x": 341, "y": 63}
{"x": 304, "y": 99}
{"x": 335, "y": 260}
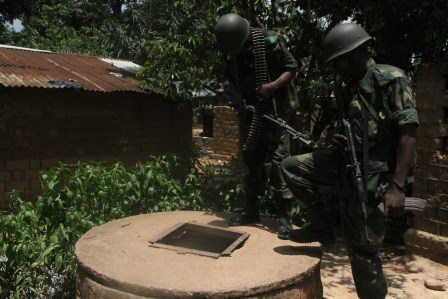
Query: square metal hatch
{"x": 200, "y": 239}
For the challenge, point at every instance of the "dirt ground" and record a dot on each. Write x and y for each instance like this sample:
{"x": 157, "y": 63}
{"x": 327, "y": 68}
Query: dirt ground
{"x": 405, "y": 274}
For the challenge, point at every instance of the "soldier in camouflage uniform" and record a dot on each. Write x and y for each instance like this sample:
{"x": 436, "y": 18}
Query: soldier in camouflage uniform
{"x": 379, "y": 102}
{"x": 233, "y": 34}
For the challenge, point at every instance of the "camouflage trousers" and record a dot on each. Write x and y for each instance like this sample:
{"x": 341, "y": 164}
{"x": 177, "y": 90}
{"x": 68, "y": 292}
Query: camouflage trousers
{"x": 273, "y": 148}
{"x": 307, "y": 176}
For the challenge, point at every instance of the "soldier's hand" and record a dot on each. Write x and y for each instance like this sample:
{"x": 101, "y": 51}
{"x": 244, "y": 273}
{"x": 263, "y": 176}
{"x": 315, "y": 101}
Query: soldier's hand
{"x": 394, "y": 202}
{"x": 339, "y": 140}
{"x": 266, "y": 90}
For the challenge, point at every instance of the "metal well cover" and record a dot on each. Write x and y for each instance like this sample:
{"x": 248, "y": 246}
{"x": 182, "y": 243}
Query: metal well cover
{"x": 200, "y": 239}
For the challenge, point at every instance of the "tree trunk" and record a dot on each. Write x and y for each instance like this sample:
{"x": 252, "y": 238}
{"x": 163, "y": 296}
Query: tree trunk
{"x": 252, "y": 14}
{"x": 308, "y": 9}
{"x": 116, "y": 7}
{"x": 274, "y": 13}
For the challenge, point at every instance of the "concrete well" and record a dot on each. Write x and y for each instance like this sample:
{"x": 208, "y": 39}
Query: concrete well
{"x": 116, "y": 261}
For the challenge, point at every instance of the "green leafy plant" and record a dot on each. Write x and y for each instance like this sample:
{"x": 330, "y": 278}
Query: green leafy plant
{"x": 37, "y": 239}
{"x": 223, "y": 183}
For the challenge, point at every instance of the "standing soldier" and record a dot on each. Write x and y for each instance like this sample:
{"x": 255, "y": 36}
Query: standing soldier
{"x": 261, "y": 70}
{"x": 378, "y": 101}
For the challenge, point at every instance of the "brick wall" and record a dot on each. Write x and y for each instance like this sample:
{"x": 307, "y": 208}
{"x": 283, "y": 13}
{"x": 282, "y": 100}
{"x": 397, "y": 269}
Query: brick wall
{"x": 226, "y": 132}
{"x": 39, "y": 127}
{"x": 432, "y": 147}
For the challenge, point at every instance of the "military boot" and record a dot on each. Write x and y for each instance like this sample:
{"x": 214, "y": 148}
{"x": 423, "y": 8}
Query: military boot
{"x": 318, "y": 231}
{"x": 249, "y": 216}
{"x": 244, "y": 219}
{"x": 284, "y": 228}
{"x": 284, "y": 198}
{"x": 285, "y": 207}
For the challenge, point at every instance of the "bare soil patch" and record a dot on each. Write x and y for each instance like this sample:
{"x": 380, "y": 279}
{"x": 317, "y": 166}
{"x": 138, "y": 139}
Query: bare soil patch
{"x": 405, "y": 274}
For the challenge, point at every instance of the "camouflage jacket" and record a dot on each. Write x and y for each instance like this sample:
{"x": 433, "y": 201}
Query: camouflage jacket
{"x": 388, "y": 97}
{"x": 278, "y": 61}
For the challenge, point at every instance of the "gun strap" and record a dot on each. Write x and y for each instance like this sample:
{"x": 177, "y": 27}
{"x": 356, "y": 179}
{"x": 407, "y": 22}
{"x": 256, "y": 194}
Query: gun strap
{"x": 365, "y": 145}
{"x": 368, "y": 106}
{"x": 342, "y": 170}
{"x": 374, "y": 113}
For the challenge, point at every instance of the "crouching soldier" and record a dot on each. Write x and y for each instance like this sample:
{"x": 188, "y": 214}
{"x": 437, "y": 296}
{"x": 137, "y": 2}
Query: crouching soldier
{"x": 378, "y": 102}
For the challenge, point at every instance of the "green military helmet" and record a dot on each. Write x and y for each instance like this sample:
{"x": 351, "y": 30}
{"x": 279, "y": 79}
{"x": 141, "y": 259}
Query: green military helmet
{"x": 343, "y": 39}
{"x": 231, "y": 31}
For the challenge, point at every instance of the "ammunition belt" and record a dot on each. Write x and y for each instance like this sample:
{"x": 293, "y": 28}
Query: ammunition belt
{"x": 234, "y": 71}
{"x": 261, "y": 77}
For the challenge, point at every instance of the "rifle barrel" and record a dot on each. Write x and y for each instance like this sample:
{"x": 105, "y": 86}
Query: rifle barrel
{"x": 282, "y": 123}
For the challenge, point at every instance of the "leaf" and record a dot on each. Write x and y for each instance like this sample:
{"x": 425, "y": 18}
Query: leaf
{"x": 58, "y": 262}
{"x": 47, "y": 251}
{"x": 128, "y": 186}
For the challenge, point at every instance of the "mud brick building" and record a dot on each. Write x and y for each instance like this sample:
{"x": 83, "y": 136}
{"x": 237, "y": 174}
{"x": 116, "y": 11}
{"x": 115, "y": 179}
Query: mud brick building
{"x": 430, "y": 233}
{"x": 67, "y": 107}
{"x": 226, "y": 133}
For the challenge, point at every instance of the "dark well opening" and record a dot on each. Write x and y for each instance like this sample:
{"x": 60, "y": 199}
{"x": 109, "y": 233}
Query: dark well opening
{"x": 200, "y": 239}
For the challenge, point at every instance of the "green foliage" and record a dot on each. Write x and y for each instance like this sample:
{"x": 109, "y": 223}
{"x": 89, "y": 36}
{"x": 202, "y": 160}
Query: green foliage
{"x": 223, "y": 189}
{"x": 49, "y": 29}
{"x": 37, "y": 240}
{"x": 174, "y": 40}
{"x": 12, "y": 9}
{"x": 224, "y": 184}
{"x": 422, "y": 23}
{"x": 181, "y": 43}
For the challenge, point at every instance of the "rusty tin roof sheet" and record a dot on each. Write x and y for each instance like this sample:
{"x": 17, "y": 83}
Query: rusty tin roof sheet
{"x": 28, "y": 68}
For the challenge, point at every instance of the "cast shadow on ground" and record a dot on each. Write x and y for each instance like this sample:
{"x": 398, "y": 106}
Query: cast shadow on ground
{"x": 266, "y": 224}
{"x": 336, "y": 271}
{"x": 312, "y": 251}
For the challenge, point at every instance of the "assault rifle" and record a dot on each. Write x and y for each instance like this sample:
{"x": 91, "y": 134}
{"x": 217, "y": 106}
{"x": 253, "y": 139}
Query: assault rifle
{"x": 411, "y": 204}
{"x": 296, "y": 135}
{"x": 354, "y": 168}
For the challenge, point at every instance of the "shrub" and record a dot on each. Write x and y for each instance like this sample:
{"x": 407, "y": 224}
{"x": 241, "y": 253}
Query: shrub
{"x": 37, "y": 239}
{"x": 223, "y": 186}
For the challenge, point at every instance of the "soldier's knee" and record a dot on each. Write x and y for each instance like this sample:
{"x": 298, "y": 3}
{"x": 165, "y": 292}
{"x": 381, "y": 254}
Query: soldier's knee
{"x": 296, "y": 165}
{"x": 288, "y": 165}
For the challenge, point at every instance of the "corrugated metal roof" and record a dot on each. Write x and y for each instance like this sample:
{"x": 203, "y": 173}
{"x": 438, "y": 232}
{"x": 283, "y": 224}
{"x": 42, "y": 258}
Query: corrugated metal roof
{"x": 28, "y": 68}
{"x": 22, "y": 48}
